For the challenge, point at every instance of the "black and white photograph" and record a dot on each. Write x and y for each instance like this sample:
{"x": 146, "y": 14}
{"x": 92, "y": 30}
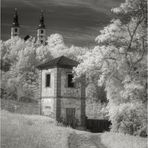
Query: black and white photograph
{"x": 73, "y": 74}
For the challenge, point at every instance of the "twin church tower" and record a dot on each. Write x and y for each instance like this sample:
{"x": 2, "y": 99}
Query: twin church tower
{"x": 41, "y": 30}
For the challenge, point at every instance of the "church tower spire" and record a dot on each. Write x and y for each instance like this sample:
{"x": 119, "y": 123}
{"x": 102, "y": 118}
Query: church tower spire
{"x": 41, "y": 31}
{"x": 15, "y": 29}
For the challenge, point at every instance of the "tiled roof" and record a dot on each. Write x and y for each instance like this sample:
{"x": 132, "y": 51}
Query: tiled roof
{"x": 61, "y": 62}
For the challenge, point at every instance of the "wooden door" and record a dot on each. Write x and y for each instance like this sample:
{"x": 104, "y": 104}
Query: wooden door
{"x": 70, "y": 116}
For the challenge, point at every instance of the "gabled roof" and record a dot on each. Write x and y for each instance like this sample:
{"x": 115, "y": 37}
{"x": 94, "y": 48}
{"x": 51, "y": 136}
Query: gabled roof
{"x": 61, "y": 62}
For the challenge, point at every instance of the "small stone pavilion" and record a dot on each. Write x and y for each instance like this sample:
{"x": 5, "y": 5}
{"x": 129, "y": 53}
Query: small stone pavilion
{"x": 61, "y": 98}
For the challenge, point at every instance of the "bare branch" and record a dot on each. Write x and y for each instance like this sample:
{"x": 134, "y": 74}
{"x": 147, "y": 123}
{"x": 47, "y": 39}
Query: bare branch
{"x": 142, "y": 55}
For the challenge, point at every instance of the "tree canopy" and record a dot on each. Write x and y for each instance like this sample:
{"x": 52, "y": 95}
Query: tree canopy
{"x": 119, "y": 63}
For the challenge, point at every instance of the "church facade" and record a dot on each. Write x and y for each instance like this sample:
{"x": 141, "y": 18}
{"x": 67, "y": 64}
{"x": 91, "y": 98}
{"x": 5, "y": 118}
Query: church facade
{"x": 41, "y": 30}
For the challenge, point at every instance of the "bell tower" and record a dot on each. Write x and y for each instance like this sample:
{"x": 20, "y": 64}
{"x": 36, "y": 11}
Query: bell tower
{"x": 15, "y": 29}
{"x": 41, "y": 31}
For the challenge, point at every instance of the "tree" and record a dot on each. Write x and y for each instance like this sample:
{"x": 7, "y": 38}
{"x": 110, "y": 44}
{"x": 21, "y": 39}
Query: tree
{"x": 9, "y": 52}
{"x": 119, "y": 63}
{"x": 20, "y": 58}
{"x": 57, "y": 48}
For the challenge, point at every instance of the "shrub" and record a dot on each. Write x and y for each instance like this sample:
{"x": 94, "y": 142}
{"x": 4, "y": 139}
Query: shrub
{"x": 130, "y": 119}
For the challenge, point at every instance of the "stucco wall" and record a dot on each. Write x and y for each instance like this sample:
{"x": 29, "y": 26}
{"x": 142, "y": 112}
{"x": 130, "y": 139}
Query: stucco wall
{"x": 48, "y": 91}
{"x": 13, "y": 33}
{"x": 48, "y": 108}
{"x": 69, "y": 92}
{"x": 71, "y": 103}
{"x": 41, "y": 36}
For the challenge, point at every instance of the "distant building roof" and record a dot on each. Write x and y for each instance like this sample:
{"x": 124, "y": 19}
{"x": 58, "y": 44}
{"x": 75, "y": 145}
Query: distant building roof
{"x": 27, "y": 37}
{"x": 61, "y": 62}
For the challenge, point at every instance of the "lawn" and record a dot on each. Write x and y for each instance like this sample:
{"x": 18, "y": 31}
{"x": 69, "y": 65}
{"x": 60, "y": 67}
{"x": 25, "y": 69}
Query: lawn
{"x": 116, "y": 140}
{"x": 31, "y": 131}
{"x": 34, "y": 131}
{"x": 20, "y": 107}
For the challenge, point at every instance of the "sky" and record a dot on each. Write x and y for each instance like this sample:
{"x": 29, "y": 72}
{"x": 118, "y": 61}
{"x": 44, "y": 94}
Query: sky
{"x": 78, "y": 21}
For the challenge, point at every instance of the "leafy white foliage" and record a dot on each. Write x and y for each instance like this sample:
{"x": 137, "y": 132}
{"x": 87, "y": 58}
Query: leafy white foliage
{"x": 119, "y": 63}
{"x": 20, "y": 58}
{"x": 96, "y": 110}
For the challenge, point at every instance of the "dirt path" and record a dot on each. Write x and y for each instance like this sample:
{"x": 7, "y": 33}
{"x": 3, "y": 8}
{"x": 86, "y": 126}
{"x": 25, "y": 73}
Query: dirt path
{"x": 85, "y": 141}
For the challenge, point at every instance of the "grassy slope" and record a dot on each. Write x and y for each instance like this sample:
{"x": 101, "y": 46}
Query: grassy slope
{"x": 20, "y": 107}
{"x": 116, "y": 140}
{"x": 34, "y": 131}
{"x": 105, "y": 140}
{"x": 23, "y": 131}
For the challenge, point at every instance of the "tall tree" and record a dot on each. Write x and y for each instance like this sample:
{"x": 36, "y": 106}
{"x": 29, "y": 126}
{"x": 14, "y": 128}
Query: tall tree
{"x": 119, "y": 63}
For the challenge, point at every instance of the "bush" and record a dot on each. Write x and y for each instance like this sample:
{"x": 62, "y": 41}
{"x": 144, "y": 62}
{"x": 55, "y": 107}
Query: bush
{"x": 130, "y": 119}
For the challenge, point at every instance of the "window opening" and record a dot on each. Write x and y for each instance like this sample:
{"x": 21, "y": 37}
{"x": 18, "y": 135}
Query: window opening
{"x": 48, "y": 79}
{"x": 70, "y": 80}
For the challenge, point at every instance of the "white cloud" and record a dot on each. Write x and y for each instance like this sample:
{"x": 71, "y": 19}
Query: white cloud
{"x": 97, "y": 5}
{"x": 30, "y": 3}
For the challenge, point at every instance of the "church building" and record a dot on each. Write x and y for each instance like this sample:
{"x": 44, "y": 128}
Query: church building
{"x": 41, "y": 30}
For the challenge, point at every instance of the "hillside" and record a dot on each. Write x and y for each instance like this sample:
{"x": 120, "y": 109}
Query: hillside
{"x": 31, "y": 131}
{"x": 34, "y": 131}
{"x": 20, "y": 107}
